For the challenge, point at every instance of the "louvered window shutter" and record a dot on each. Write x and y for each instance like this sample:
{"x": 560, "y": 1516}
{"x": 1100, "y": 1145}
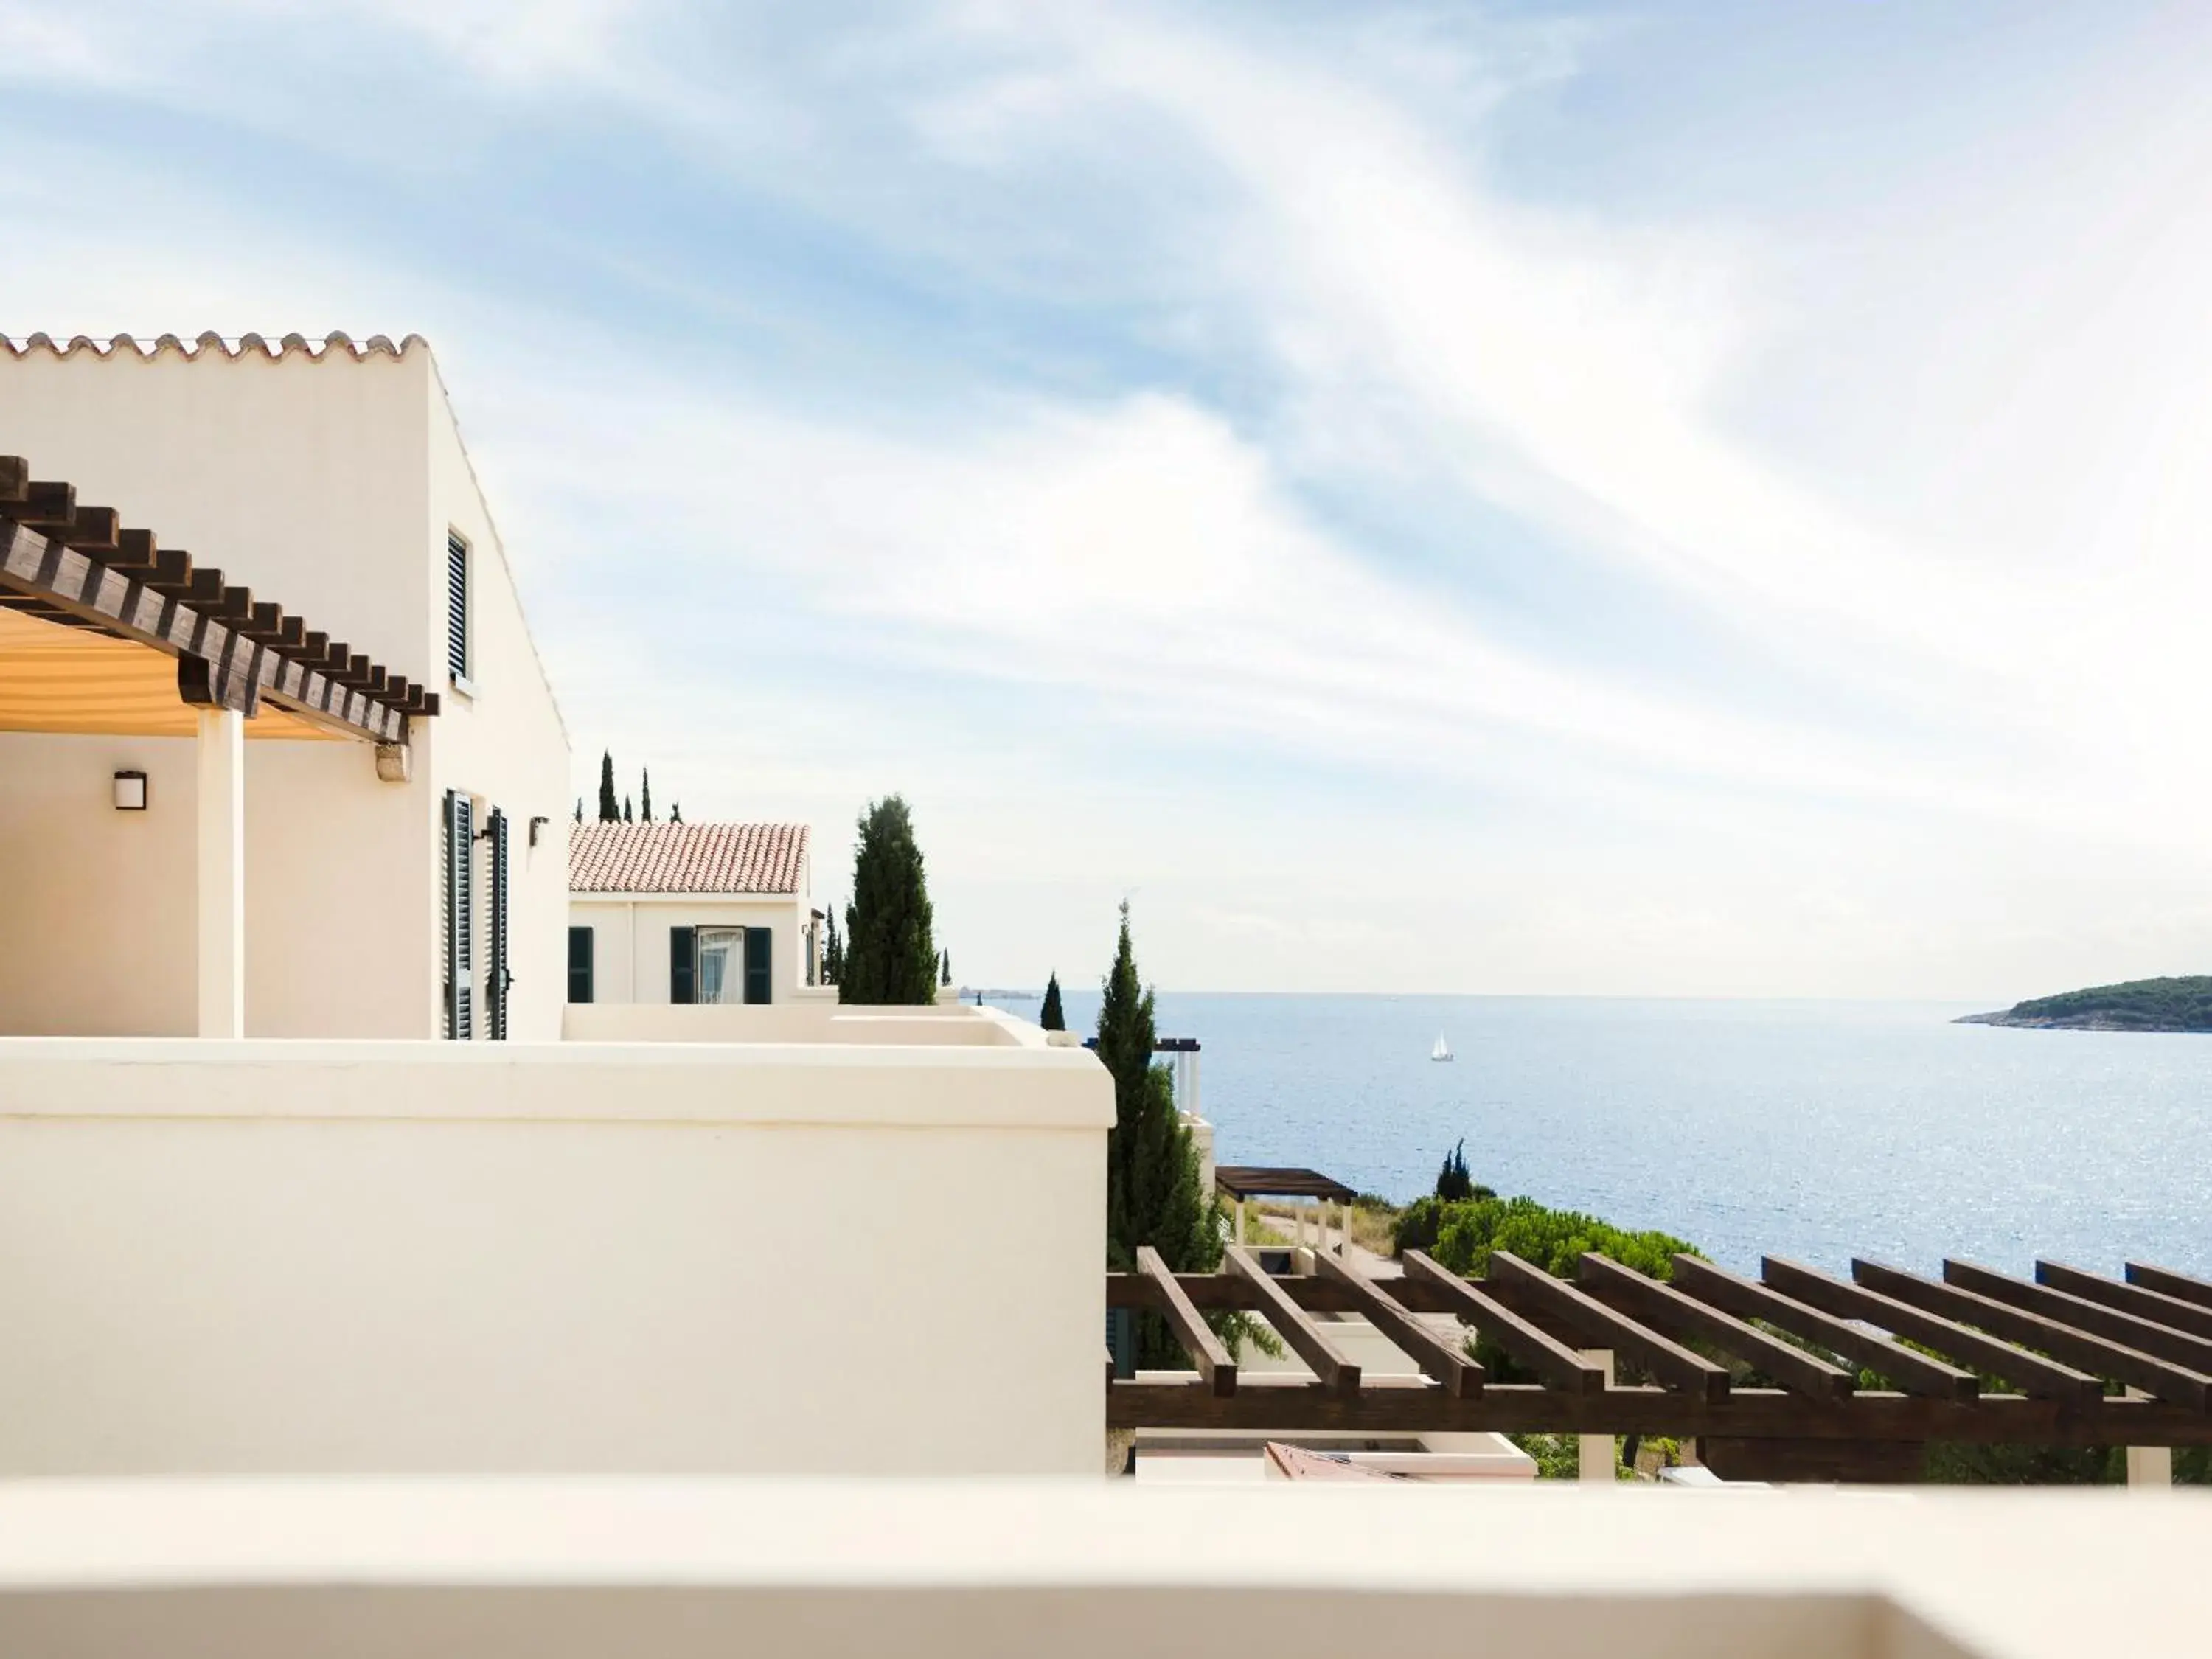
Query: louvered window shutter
{"x": 461, "y": 916}
{"x": 457, "y": 606}
{"x": 760, "y": 959}
{"x": 501, "y": 976}
{"x": 580, "y": 964}
{"x": 682, "y": 963}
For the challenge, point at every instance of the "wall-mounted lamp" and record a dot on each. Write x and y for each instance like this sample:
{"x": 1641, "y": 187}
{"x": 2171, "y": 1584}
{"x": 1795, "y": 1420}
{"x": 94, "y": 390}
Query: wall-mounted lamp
{"x": 536, "y": 824}
{"x": 130, "y": 791}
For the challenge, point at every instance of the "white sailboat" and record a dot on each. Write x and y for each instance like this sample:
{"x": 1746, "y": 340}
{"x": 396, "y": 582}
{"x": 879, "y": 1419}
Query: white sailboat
{"x": 1442, "y": 1050}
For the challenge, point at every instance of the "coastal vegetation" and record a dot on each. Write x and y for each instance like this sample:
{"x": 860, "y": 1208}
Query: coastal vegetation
{"x": 2182, "y": 1004}
{"x": 888, "y": 956}
{"x": 1051, "y": 1017}
{"x": 1154, "y": 1194}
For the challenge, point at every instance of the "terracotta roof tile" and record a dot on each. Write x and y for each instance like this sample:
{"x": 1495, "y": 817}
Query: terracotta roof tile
{"x": 686, "y": 857}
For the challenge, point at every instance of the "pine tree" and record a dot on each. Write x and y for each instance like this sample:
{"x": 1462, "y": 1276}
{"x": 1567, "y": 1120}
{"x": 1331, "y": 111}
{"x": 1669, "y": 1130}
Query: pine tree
{"x": 645, "y": 793}
{"x": 1152, "y": 1193}
{"x": 675, "y": 812}
{"x": 944, "y": 968}
{"x": 626, "y": 818}
{"x": 580, "y": 809}
{"x": 1454, "y": 1183}
{"x": 889, "y": 955}
{"x": 610, "y": 809}
{"x": 1050, "y": 1016}
{"x": 833, "y": 950}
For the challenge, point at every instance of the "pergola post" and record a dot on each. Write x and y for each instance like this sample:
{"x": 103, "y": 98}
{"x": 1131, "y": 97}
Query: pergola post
{"x": 221, "y": 867}
{"x": 2149, "y": 1466}
{"x": 1593, "y": 1452}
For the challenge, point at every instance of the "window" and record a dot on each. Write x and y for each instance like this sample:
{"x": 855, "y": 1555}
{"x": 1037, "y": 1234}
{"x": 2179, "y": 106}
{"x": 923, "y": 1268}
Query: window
{"x": 580, "y": 964}
{"x": 500, "y": 976}
{"x": 459, "y": 906}
{"x": 457, "y": 607}
{"x": 722, "y": 977}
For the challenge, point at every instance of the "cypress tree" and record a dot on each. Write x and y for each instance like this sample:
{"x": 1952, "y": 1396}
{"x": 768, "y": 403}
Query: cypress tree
{"x": 609, "y": 808}
{"x": 627, "y": 818}
{"x": 645, "y": 793}
{"x": 1454, "y": 1183}
{"x": 675, "y": 812}
{"x": 1050, "y": 1016}
{"x": 833, "y": 950}
{"x": 1152, "y": 1193}
{"x": 889, "y": 955}
{"x": 580, "y": 809}
{"x": 945, "y": 967}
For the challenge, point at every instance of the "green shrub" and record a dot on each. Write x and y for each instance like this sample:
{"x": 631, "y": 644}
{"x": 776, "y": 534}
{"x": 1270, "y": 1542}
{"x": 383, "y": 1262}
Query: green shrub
{"x": 1462, "y": 1235}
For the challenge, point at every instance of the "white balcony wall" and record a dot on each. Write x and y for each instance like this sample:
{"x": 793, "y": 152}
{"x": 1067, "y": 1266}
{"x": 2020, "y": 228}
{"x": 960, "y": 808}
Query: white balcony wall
{"x": 955, "y": 1025}
{"x": 970, "y": 1570}
{"x": 478, "y": 1258}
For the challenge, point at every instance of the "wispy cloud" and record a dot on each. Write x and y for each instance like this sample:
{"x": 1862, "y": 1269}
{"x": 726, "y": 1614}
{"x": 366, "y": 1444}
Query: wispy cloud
{"x": 1211, "y": 384}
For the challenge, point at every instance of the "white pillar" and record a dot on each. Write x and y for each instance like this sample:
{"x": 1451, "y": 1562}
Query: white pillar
{"x": 221, "y": 858}
{"x": 1595, "y": 1450}
{"x": 1242, "y": 1205}
{"x": 2148, "y": 1466}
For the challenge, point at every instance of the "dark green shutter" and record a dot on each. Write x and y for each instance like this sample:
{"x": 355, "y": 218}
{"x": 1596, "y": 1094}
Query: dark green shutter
{"x": 580, "y": 964}
{"x": 500, "y": 977}
{"x": 760, "y": 957}
{"x": 682, "y": 963}
{"x": 460, "y": 907}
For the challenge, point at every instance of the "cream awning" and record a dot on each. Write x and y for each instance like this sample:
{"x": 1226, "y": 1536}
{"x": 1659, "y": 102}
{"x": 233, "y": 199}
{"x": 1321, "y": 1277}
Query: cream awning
{"x": 57, "y": 679}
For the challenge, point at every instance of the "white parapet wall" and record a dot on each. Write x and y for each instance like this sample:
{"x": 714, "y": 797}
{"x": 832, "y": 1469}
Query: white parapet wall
{"x": 688, "y": 1258}
{"x": 985, "y": 1570}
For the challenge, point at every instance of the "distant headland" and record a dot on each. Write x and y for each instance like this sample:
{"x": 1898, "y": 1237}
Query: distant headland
{"x": 2141, "y": 1004}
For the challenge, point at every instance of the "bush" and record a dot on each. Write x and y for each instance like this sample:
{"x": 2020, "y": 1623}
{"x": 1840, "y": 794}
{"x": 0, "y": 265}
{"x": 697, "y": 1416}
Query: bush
{"x": 1461, "y": 1236}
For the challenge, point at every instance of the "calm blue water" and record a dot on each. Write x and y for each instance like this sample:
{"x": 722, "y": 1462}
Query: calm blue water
{"x": 1819, "y": 1130}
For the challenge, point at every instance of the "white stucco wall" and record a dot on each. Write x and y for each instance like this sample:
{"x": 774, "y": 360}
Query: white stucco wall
{"x": 327, "y": 486}
{"x": 630, "y": 931}
{"x": 381, "y": 1257}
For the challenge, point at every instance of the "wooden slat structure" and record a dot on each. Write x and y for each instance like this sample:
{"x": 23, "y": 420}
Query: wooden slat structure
{"x": 79, "y": 566}
{"x": 1240, "y": 1181}
{"x": 2100, "y": 1362}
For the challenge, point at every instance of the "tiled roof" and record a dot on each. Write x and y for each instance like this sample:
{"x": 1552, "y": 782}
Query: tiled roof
{"x": 686, "y": 857}
{"x": 333, "y": 344}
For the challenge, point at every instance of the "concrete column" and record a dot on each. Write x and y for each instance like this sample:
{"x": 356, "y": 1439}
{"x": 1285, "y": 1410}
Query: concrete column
{"x": 2148, "y": 1466}
{"x": 1243, "y": 1205}
{"x": 222, "y": 858}
{"x": 1596, "y": 1450}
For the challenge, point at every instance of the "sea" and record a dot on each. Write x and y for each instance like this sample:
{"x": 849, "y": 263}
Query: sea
{"x": 1819, "y": 1130}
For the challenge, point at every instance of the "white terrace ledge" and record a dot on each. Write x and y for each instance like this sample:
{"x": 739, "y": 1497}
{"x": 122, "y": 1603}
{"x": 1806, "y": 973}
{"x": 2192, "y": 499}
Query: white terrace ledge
{"x": 391, "y": 1257}
{"x": 683, "y": 1569}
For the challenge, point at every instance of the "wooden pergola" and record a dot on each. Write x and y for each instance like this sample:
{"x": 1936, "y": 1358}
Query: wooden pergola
{"x": 2093, "y": 1361}
{"x": 78, "y": 566}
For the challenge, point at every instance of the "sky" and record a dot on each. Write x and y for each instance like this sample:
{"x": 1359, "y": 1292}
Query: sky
{"x": 1700, "y": 499}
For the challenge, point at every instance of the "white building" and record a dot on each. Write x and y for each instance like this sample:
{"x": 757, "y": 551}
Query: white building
{"x": 397, "y": 881}
{"x": 690, "y": 913}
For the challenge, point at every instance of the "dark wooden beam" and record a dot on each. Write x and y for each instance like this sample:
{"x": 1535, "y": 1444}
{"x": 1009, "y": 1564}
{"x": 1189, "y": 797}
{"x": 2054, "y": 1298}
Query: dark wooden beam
{"x": 1667, "y": 1309}
{"x": 233, "y": 607}
{"x": 291, "y": 635}
{"x": 1448, "y": 1362}
{"x": 1205, "y": 1348}
{"x": 1560, "y": 1365}
{"x": 265, "y": 624}
{"x": 133, "y": 554}
{"x": 2168, "y": 1310}
{"x": 238, "y": 673}
{"x": 2175, "y": 1384}
{"x": 1335, "y": 1371}
{"x": 92, "y": 530}
{"x": 1603, "y": 1327}
{"x": 2081, "y": 1314}
{"x": 1388, "y": 1404}
{"x": 1907, "y": 1368}
{"x": 2045, "y": 1378}
{"x": 2166, "y": 1282}
{"x": 15, "y": 480}
{"x": 172, "y": 575}
{"x": 45, "y": 506}
{"x": 203, "y": 590}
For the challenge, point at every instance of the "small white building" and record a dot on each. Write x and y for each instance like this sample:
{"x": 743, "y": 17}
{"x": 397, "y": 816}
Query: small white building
{"x": 690, "y": 913}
